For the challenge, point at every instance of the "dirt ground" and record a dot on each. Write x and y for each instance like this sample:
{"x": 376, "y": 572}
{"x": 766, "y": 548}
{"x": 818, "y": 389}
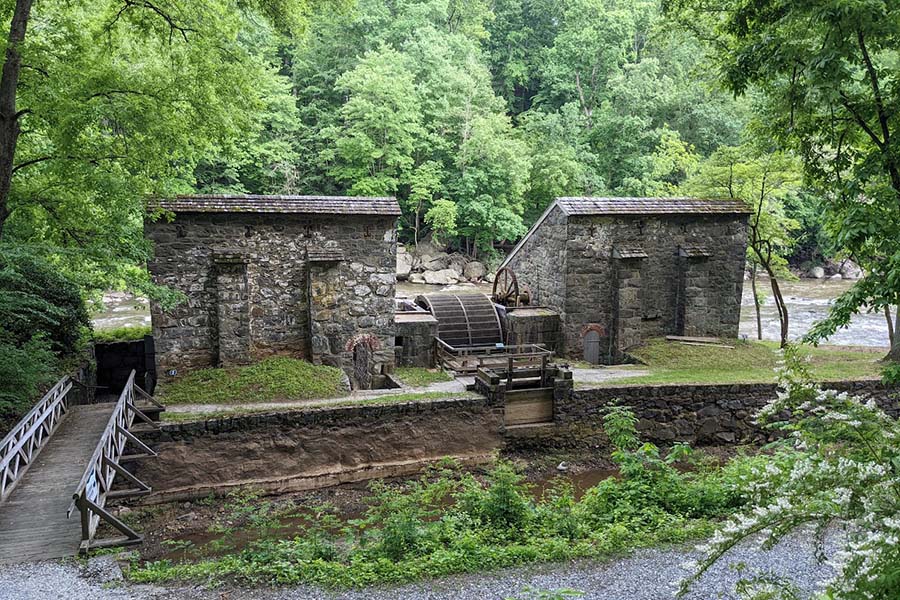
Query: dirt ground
{"x": 217, "y": 525}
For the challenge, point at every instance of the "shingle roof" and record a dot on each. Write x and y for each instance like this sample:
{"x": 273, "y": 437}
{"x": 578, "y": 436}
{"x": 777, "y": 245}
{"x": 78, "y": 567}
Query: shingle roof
{"x": 649, "y": 206}
{"x": 333, "y": 205}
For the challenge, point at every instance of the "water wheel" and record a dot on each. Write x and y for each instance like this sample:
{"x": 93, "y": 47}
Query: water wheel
{"x": 506, "y": 288}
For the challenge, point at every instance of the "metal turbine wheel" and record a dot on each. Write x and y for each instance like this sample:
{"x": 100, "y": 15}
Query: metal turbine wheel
{"x": 506, "y": 288}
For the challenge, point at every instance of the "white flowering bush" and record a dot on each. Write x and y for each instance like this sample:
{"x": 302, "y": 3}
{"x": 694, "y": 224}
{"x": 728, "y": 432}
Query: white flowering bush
{"x": 846, "y": 474}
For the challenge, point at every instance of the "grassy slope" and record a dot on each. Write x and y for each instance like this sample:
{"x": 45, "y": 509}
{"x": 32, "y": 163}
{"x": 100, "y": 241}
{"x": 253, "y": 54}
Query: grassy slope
{"x": 273, "y": 379}
{"x": 121, "y": 334}
{"x": 747, "y": 362}
{"x": 419, "y": 377}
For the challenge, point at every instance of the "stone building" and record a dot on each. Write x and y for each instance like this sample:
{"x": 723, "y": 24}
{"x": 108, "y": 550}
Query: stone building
{"x": 622, "y": 270}
{"x": 306, "y": 276}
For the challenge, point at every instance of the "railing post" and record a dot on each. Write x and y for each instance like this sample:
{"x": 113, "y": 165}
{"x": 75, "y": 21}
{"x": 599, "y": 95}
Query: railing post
{"x": 85, "y": 518}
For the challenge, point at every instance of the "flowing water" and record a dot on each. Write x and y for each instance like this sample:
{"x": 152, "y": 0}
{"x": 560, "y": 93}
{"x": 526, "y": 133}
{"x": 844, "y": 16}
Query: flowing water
{"x": 808, "y": 300}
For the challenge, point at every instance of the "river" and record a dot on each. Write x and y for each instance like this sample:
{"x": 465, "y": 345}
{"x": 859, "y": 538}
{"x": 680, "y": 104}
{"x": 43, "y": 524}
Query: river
{"x": 808, "y": 300}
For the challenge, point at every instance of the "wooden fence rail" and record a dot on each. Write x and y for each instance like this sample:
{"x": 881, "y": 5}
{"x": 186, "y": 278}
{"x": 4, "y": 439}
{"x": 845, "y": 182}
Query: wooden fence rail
{"x": 468, "y": 359}
{"x": 95, "y": 487}
{"x": 21, "y": 446}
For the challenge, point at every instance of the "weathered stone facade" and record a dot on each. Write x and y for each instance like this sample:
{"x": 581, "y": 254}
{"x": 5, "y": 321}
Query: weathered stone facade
{"x": 414, "y": 345}
{"x": 619, "y": 271}
{"x": 308, "y": 277}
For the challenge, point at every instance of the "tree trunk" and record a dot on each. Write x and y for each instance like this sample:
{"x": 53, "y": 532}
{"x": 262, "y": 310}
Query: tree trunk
{"x": 9, "y": 117}
{"x": 756, "y": 303}
{"x": 890, "y": 324}
{"x": 894, "y": 354}
{"x": 781, "y": 306}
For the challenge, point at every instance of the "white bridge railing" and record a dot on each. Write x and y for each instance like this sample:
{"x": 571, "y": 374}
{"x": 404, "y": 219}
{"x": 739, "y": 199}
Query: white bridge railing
{"x": 21, "y": 446}
{"x": 95, "y": 487}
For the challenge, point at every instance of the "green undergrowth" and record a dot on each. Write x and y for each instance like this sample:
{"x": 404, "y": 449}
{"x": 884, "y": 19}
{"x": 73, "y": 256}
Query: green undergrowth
{"x": 743, "y": 362}
{"x": 121, "y": 334}
{"x": 450, "y": 521}
{"x": 272, "y": 379}
{"x": 181, "y": 417}
{"x": 420, "y": 377}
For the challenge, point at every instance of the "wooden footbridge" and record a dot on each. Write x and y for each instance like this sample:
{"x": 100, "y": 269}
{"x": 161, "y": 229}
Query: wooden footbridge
{"x": 58, "y": 467}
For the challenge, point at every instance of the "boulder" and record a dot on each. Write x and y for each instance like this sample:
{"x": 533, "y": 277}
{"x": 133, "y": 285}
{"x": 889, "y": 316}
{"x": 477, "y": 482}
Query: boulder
{"x": 490, "y": 277}
{"x": 416, "y": 278}
{"x": 404, "y": 265}
{"x": 458, "y": 262}
{"x": 474, "y": 271}
{"x": 816, "y": 273}
{"x": 850, "y": 270}
{"x": 435, "y": 262}
{"x": 836, "y": 277}
{"x": 441, "y": 277}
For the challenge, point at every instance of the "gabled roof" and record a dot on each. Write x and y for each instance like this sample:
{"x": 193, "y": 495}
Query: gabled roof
{"x": 595, "y": 206}
{"x": 649, "y": 206}
{"x": 251, "y": 203}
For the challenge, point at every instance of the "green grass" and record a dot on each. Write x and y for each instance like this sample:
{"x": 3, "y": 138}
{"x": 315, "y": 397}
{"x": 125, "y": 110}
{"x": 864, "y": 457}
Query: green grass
{"x": 420, "y": 377}
{"x": 121, "y": 334}
{"x": 747, "y": 362}
{"x": 182, "y": 417}
{"x": 272, "y": 379}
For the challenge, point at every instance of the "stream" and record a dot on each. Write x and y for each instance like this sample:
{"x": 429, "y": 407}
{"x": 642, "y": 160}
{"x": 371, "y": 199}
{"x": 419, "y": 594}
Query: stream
{"x": 808, "y": 300}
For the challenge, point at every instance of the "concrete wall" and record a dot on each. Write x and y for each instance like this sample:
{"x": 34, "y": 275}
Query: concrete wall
{"x": 697, "y": 414}
{"x": 314, "y": 448}
{"x": 252, "y": 293}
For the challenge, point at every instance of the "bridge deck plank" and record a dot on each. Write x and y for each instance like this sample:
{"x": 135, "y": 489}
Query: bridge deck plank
{"x": 33, "y": 524}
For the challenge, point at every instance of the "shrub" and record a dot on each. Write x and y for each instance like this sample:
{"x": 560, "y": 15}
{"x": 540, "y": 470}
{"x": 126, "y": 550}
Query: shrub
{"x": 846, "y": 471}
{"x": 35, "y": 299}
{"x": 24, "y": 371}
{"x": 121, "y": 334}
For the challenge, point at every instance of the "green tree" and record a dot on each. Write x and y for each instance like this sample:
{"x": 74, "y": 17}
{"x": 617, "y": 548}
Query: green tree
{"x": 380, "y": 124}
{"x": 442, "y": 218}
{"x": 827, "y": 70}
{"x": 102, "y": 105}
{"x": 764, "y": 181}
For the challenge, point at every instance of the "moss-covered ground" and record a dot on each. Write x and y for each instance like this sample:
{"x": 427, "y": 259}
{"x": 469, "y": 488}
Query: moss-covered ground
{"x": 272, "y": 379}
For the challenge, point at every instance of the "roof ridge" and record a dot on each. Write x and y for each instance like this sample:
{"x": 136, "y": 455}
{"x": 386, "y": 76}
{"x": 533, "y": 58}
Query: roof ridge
{"x": 278, "y": 203}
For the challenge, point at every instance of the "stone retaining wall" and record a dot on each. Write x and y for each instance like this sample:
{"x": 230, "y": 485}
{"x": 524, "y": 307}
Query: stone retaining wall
{"x": 305, "y": 449}
{"x": 697, "y": 414}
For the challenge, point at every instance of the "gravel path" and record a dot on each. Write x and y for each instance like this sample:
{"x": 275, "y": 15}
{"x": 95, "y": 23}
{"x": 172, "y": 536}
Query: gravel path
{"x": 645, "y": 575}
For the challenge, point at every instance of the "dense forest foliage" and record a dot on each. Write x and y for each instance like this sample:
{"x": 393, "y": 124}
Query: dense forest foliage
{"x": 476, "y": 114}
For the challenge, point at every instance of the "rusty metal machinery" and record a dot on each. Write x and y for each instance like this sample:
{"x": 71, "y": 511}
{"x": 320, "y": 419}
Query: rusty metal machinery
{"x": 464, "y": 320}
{"x": 506, "y": 289}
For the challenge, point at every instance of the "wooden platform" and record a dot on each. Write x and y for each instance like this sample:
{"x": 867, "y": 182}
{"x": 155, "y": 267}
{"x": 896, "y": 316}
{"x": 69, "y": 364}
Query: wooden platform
{"x": 33, "y": 523}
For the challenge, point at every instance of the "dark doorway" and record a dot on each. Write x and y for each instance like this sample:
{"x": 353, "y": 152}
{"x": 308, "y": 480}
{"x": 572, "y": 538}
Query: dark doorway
{"x": 362, "y": 366}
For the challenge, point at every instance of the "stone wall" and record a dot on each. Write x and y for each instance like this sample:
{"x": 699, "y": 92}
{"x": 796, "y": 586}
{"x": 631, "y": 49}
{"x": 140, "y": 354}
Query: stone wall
{"x": 593, "y": 288}
{"x": 540, "y": 263}
{"x": 697, "y": 414}
{"x": 310, "y": 286}
{"x": 314, "y": 448}
{"x": 531, "y": 326}
{"x": 415, "y": 339}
